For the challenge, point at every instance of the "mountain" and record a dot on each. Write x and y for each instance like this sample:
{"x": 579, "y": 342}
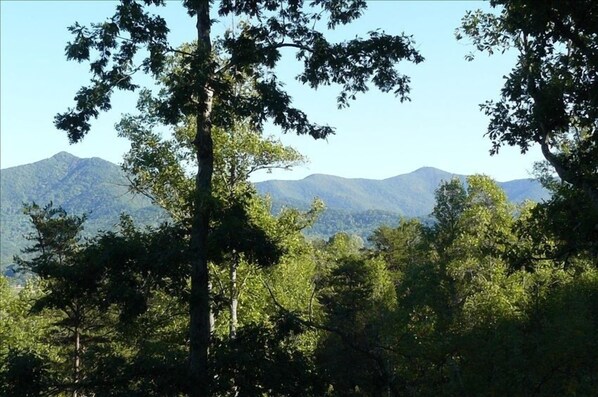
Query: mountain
{"x": 92, "y": 186}
{"x": 409, "y": 195}
{"x": 99, "y": 188}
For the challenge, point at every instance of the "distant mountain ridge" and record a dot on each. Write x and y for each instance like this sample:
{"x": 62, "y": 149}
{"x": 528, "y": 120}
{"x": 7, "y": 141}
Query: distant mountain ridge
{"x": 99, "y": 188}
{"x": 410, "y": 195}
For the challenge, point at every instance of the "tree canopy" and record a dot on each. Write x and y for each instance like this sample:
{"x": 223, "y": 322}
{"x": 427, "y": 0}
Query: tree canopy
{"x": 202, "y": 80}
{"x": 484, "y": 298}
{"x": 549, "y": 98}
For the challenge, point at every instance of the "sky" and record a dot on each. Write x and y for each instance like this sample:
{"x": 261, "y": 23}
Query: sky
{"x": 377, "y": 137}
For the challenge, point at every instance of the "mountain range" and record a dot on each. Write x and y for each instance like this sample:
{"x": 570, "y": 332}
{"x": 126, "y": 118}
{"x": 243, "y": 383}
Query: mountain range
{"x": 99, "y": 188}
{"x": 409, "y": 195}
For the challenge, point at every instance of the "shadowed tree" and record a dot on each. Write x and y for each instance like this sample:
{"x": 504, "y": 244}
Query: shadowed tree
{"x": 204, "y": 85}
{"x": 549, "y": 98}
{"x": 70, "y": 286}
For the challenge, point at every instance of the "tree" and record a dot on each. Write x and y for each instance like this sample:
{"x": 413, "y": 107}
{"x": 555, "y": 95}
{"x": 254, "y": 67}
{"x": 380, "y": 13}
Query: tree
{"x": 451, "y": 276}
{"x": 450, "y": 204}
{"x": 94, "y": 295}
{"x": 144, "y": 285}
{"x": 157, "y": 169}
{"x": 204, "y": 85}
{"x": 358, "y": 299}
{"x": 69, "y": 283}
{"x": 549, "y": 98}
{"x": 561, "y": 230}
{"x": 475, "y": 258}
{"x": 245, "y": 238}
{"x": 25, "y": 356}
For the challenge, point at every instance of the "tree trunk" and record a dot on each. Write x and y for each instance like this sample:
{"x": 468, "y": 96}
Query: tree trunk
{"x": 569, "y": 176}
{"x": 77, "y": 362}
{"x": 212, "y": 316}
{"x": 234, "y": 296}
{"x": 199, "y": 305}
{"x": 234, "y": 263}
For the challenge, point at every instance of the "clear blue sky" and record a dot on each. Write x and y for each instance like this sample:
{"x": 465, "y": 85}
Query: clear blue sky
{"x": 377, "y": 137}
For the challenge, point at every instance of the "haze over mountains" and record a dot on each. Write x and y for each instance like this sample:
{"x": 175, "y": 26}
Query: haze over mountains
{"x": 99, "y": 188}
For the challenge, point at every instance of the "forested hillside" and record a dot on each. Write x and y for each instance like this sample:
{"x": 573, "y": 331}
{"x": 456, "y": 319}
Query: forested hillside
{"x": 438, "y": 309}
{"x": 409, "y": 195}
{"x": 94, "y": 187}
{"x": 100, "y": 189}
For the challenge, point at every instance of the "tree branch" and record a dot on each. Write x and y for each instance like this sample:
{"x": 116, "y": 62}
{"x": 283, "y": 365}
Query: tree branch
{"x": 293, "y": 45}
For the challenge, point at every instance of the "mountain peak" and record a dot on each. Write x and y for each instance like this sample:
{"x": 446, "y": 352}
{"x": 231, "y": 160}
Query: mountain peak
{"x": 430, "y": 171}
{"x": 64, "y": 156}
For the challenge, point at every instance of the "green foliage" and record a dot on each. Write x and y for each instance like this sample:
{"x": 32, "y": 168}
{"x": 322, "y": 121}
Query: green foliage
{"x": 265, "y": 361}
{"x": 548, "y": 96}
{"x": 19, "y": 329}
{"x": 546, "y": 351}
{"x": 23, "y": 373}
{"x": 99, "y": 189}
{"x": 440, "y": 309}
{"x": 488, "y": 300}
{"x": 106, "y": 310}
{"x": 460, "y": 320}
{"x": 69, "y": 288}
{"x": 560, "y": 230}
{"x": 400, "y": 247}
{"x": 221, "y": 83}
{"x": 110, "y": 48}
{"x": 450, "y": 204}
{"x": 81, "y": 186}
{"x": 357, "y": 299}
{"x": 547, "y": 100}
{"x": 133, "y": 264}
{"x": 28, "y": 363}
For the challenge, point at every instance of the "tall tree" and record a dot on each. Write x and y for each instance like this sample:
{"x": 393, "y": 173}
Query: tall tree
{"x": 549, "y": 98}
{"x": 157, "y": 169}
{"x": 69, "y": 286}
{"x": 202, "y": 88}
{"x": 144, "y": 276}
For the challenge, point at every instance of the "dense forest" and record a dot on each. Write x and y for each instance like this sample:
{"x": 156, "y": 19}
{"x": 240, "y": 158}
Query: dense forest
{"x": 489, "y": 298}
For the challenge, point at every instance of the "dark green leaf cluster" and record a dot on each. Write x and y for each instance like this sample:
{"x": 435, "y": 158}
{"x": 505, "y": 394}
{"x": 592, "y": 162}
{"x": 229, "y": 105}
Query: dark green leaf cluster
{"x": 235, "y": 232}
{"x": 111, "y": 48}
{"x": 263, "y": 361}
{"x": 549, "y": 98}
{"x": 24, "y": 373}
{"x": 251, "y": 55}
{"x": 354, "y": 63}
{"x": 487, "y": 300}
